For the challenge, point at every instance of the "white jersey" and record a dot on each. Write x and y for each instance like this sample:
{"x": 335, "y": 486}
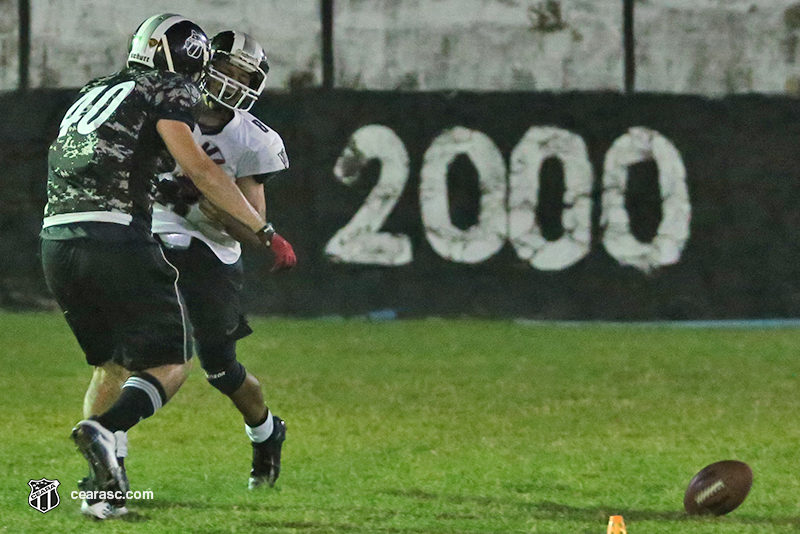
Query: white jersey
{"x": 244, "y": 147}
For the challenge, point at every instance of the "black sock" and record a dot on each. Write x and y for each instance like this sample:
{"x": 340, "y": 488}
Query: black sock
{"x": 142, "y": 395}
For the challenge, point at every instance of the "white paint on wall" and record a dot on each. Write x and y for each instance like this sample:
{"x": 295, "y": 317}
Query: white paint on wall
{"x": 508, "y": 200}
{"x": 485, "y": 45}
{"x": 539, "y": 144}
{"x": 74, "y": 41}
{"x": 637, "y": 145}
{"x": 361, "y": 239}
{"x": 484, "y": 239}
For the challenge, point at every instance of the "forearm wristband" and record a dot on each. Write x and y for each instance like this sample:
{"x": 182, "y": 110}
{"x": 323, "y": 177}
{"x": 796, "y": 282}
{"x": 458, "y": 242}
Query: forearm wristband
{"x": 266, "y": 233}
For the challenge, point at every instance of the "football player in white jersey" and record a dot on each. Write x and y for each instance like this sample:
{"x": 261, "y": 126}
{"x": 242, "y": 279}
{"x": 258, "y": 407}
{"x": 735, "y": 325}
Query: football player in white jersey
{"x": 205, "y": 253}
{"x": 207, "y": 257}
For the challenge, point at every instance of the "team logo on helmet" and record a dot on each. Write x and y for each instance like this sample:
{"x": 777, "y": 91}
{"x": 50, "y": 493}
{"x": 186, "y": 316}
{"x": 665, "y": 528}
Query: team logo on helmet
{"x": 44, "y": 494}
{"x": 194, "y": 45}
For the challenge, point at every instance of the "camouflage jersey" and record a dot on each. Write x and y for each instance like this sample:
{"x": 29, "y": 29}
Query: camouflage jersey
{"x": 103, "y": 165}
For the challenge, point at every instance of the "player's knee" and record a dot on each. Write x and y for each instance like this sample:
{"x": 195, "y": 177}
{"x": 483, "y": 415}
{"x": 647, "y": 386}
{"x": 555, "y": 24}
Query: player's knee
{"x": 111, "y": 373}
{"x": 218, "y": 358}
{"x": 215, "y": 353}
{"x": 228, "y": 379}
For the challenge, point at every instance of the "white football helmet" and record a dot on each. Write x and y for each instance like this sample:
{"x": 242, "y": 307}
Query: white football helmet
{"x": 240, "y": 50}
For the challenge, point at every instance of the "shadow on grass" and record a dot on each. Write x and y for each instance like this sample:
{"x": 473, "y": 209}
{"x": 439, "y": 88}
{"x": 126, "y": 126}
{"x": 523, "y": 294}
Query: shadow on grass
{"x": 203, "y": 505}
{"x": 310, "y": 527}
{"x": 537, "y": 510}
{"x": 134, "y": 517}
{"x": 552, "y": 510}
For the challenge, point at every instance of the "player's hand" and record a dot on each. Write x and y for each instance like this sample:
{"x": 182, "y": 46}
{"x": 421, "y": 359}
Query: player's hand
{"x": 179, "y": 192}
{"x": 284, "y": 254}
{"x": 266, "y": 237}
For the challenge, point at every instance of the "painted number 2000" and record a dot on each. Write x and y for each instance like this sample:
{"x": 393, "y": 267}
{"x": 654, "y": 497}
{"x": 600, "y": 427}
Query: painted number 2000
{"x": 509, "y": 198}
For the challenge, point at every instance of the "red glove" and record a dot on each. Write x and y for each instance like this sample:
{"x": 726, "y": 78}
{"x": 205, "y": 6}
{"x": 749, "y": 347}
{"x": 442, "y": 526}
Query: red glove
{"x": 284, "y": 254}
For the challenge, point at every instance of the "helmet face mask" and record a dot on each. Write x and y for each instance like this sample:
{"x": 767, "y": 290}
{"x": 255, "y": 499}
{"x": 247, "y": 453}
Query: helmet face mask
{"x": 170, "y": 42}
{"x": 237, "y": 72}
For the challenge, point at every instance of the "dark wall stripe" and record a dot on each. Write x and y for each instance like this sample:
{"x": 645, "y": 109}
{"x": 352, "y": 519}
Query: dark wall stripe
{"x": 326, "y": 8}
{"x": 629, "y": 45}
{"x": 24, "y": 44}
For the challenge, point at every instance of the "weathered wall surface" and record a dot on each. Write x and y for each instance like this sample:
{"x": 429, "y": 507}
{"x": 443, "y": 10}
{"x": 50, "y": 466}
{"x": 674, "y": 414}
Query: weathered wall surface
{"x": 479, "y": 45}
{"x": 9, "y": 40}
{"x": 74, "y": 41}
{"x": 704, "y": 47}
{"x": 386, "y": 44}
{"x": 717, "y": 47}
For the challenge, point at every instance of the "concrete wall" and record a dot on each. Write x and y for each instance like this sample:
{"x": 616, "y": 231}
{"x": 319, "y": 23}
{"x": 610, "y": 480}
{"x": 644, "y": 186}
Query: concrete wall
{"x": 715, "y": 47}
{"x": 9, "y": 40}
{"x": 479, "y": 44}
{"x": 707, "y": 47}
{"x": 75, "y": 40}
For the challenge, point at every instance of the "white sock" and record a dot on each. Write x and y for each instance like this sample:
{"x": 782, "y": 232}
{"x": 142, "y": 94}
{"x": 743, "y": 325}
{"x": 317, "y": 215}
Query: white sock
{"x": 262, "y": 431}
{"x": 122, "y": 443}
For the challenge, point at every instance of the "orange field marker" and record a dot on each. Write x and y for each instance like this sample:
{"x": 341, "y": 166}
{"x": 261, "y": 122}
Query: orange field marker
{"x": 616, "y": 525}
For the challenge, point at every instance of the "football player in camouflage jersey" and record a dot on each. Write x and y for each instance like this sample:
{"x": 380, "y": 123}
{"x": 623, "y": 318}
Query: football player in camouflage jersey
{"x": 208, "y": 257}
{"x": 118, "y": 292}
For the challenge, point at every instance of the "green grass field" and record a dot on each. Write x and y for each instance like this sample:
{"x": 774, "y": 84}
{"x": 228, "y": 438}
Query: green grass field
{"x": 432, "y": 426}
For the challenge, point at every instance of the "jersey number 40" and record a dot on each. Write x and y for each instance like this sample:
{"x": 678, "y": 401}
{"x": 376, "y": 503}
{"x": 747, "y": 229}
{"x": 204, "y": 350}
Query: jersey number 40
{"x": 95, "y": 107}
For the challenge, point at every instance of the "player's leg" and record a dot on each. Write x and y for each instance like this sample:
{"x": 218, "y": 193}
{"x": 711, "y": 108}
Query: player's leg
{"x": 103, "y": 438}
{"x": 266, "y": 431}
{"x": 151, "y": 336}
{"x": 212, "y": 291}
{"x": 70, "y": 281}
{"x": 249, "y": 400}
{"x": 267, "y": 437}
{"x": 104, "y": 389}
{"x": 225, "y": 373}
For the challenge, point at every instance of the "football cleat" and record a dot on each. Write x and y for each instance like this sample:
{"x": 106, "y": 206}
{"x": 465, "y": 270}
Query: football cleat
{"x": 97, "y": 444}
{"x": 99, "y": 508}
{"x": 267, "y": 456}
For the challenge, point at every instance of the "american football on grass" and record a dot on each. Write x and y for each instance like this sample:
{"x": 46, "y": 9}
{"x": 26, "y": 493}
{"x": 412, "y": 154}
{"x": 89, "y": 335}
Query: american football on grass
{"x": 718, "y": 488}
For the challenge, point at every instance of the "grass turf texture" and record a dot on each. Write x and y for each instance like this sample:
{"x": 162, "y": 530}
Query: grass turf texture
{"x": 433, "y": 426}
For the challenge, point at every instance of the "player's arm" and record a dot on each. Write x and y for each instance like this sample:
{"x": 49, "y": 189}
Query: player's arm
{"x": 253, "y": 191}
{"x": 209, "y": 178}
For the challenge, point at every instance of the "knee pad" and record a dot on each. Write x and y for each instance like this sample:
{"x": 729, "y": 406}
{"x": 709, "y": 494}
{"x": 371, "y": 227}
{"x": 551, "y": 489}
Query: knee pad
{"x": 215, "y": 354}
{"x": 229, "y": 379}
